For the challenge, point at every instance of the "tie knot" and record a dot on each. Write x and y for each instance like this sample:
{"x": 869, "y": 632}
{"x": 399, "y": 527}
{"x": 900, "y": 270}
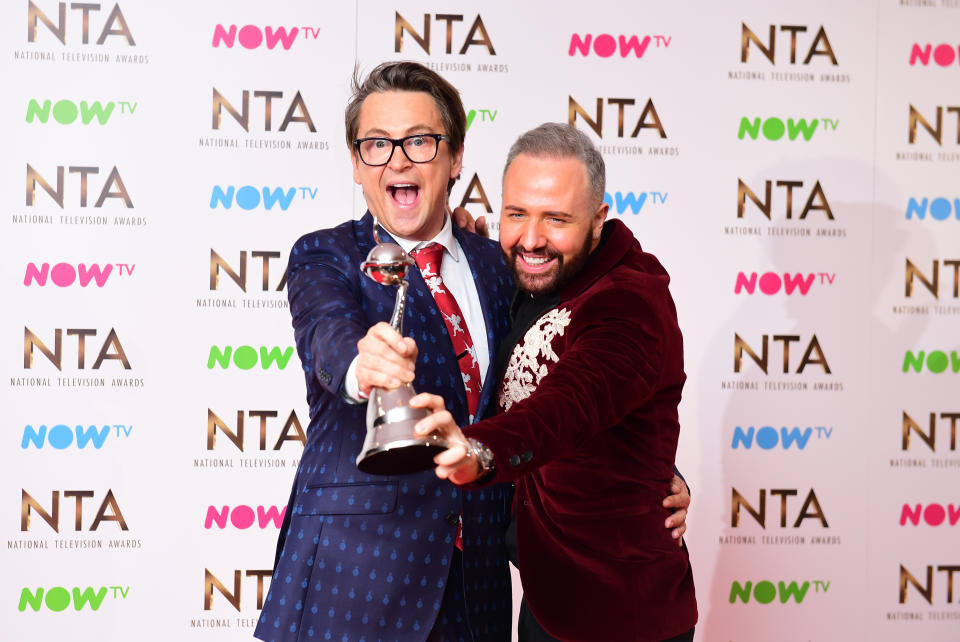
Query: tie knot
{"x": 428, "y": 256}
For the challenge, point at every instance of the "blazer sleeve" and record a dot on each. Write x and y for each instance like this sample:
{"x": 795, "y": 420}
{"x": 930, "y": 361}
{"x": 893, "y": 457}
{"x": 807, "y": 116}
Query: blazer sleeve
{"x": 326, "y": 307}
{"x": 611, "y": 364}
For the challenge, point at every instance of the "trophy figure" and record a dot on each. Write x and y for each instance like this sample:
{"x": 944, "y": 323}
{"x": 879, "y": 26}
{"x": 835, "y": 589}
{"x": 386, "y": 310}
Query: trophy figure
{"x": 391, "y": 446}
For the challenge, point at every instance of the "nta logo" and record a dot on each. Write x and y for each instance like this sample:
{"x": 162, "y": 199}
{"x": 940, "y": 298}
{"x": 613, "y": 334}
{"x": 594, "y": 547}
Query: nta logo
{"x": 773, "y": 128}
{"x": 55, "y": 356}
{"x": 296, "y": 113}
{"x": 932, "y": 284}
{"x": 911, "y": 426}
{"x": 61, "y": 436}
{"x": 66, "y": 111}
{"x": 65, "y": 274}
{"x": 52, "y": 518}
{"x": 771, "y": 282}
{"x": 114, "y": 25}
{"x": 926, "y": 589}
{"x": 239, "y": 276}
{"x": 817, "y": 201}
{"x": 604, "y": 44}
{"x": 935, "y": 132}
{"x": 819, "y": 46}
{"x": 648, "y": 119}
{"x": 477, "y": 35}
{"x": 252, "y": 36}
{"x": 210, "y": 582}
{"x": 113, "y": 187}
{"x": 58, "y": 598}
{"x": 812, "y": 355}
{"x": 291, "y": 430}
{"x": 810, "y": 509}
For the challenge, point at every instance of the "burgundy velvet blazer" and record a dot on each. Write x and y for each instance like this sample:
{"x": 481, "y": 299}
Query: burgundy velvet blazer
{"x": 589, "y": 434}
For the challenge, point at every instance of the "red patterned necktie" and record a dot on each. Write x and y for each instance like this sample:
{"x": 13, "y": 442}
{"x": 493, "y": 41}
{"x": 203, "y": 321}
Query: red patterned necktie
{"x": 428, "y": 259}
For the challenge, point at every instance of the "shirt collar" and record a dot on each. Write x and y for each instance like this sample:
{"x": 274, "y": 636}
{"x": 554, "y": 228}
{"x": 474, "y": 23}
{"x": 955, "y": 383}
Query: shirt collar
{"x": 444, "y": 237}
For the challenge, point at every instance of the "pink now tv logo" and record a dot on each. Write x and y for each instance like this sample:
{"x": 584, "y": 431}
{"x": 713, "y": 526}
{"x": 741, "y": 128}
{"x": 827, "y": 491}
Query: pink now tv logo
{"x": 66, "y": 274}
{"x": 252, "y": 36}
{"x": 243, "y": 516}
{"x": 605, "y": 45}
{"x": 771, "y": 283}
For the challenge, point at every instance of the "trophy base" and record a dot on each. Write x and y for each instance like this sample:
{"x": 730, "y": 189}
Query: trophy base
{"x": 401, "y": 457}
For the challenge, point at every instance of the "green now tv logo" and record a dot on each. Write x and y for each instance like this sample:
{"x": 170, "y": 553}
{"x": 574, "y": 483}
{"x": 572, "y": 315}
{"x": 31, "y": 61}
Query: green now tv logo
{"x": 937, "y": 361}
{"x": 247, "y": 357}
{"x": 59, "y": 598}
{"x": 766, "y": 592}
{"x": 66, "y": 112}
{"x": 774, "y": 128}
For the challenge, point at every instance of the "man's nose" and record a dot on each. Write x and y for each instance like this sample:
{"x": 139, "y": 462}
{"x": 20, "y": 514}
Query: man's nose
{"x": 531, "y": 236}
{"x": 398, "y": 160}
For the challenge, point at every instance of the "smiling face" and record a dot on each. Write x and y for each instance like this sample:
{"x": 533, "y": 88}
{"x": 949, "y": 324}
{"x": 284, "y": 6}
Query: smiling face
{"x": 408, "y": 198}
{"x": 549, "y": 223}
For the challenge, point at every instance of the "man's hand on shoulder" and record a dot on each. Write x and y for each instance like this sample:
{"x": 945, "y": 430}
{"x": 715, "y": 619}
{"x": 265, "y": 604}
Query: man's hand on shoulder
{"x": 384, "y": 359}
{"x": 463, "y": 219}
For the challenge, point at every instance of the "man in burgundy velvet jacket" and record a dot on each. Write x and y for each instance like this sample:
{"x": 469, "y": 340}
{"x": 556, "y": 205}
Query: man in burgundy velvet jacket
{"x": 592, "y": 374}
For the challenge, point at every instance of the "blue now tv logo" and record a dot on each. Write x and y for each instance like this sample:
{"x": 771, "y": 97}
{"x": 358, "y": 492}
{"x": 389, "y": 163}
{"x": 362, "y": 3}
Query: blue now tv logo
{"x": 620, "y": 202}
{"x": 768, "y": 438}
{"x": 249, "y": 198}
{"x": 939, "y": 208}
{"x": 62, "y": 436}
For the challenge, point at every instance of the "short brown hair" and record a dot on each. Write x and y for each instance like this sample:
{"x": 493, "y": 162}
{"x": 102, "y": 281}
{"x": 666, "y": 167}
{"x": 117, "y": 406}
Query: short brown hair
{"x": 409, "y": 76}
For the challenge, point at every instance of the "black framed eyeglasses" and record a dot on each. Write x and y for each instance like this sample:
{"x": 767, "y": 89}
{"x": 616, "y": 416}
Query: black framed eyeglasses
{"x": 418, "y": 148}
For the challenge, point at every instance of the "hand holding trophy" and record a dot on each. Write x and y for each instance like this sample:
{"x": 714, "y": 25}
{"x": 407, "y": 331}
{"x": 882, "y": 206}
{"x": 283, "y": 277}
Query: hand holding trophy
{"x": 391, "y": 446}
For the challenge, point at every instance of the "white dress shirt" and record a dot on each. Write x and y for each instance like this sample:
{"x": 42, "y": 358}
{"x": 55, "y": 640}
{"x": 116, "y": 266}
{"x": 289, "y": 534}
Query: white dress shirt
{"x": 456, "y": 275}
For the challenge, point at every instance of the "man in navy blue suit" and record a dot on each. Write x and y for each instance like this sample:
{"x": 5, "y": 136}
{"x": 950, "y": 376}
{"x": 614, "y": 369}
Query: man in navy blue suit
{"x": 364, "y": 557}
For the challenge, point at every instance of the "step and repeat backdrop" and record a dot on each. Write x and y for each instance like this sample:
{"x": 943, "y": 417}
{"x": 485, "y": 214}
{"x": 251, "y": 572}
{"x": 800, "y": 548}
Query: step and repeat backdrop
{"x": 794, "y": 166}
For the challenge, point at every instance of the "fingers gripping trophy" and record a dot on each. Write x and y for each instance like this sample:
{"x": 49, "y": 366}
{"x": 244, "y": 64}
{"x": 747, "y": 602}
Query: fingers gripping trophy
{"x": 391, "y": 446}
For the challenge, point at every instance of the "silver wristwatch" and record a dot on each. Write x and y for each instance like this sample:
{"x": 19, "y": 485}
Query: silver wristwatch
{"x": 484, "y": 456}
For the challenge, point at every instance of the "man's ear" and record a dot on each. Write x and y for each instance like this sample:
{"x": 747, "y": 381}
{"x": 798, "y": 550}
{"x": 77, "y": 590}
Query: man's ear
{"x": 456, "y": 163}
{"x": 355, "y": 160}
{"x": 598, "y": 218}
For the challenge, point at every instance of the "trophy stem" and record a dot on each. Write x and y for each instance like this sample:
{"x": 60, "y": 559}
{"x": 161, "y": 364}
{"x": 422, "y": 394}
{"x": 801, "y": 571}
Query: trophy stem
{"x": 396, "y": 321}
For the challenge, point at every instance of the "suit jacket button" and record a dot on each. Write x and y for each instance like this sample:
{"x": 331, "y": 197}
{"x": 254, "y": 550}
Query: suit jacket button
{"x": 526, "y": 457}
{"x": 514, "y": 460}
{"x": 452, "y": 519}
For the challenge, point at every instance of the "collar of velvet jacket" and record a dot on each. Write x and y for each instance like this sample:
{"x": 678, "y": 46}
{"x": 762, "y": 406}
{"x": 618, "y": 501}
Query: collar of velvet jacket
{"x": 616, "y": 240}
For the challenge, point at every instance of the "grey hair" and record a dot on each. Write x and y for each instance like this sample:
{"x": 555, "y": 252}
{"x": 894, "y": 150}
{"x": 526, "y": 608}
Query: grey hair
{"x": 560, "y": 140}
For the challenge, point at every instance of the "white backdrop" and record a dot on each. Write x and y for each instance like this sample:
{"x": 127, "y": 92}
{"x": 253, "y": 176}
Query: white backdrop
{"x": 151, "y": 466}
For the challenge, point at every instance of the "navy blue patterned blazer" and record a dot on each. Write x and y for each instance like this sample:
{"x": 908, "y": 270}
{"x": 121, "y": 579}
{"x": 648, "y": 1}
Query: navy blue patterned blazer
{"x": 364, "y": 557}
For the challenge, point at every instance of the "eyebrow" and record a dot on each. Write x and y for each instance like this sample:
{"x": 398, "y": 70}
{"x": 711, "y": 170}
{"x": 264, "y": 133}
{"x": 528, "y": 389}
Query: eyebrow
{"x": 416, "y": 129}
{"x": 517, "y": 208}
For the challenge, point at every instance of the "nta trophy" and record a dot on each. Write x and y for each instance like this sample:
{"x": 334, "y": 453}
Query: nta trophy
{"x": 391, "y": 446}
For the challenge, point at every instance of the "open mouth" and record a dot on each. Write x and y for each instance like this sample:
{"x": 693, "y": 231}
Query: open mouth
{"x": 536, "y": 262}
{"x": 404, "y": 194}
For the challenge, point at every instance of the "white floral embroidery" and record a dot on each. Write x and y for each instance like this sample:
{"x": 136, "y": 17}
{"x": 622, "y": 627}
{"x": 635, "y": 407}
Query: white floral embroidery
{"x": 525, "y": 370}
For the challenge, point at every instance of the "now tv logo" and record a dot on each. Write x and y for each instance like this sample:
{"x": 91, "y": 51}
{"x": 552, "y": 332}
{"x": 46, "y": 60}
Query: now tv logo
{"x": 605, "y": 45}
{"x": 932, "y": 514}
{"x": 622, "y": 201}
{"x": 252, "y": 36}
{"x": 248, "y": 197}
{"x": 771, "y": 283}
{"x": 943, "y": 54}
{"x": 936, "y": 361}
{"x": 243, "y": 516}
{"x": 246, "y": 357}
{"x": 58, "y": 598}
{"x": 61, "y": 436}
{"x": 768, "y": 438}
{"x": 65, "y": 274}
{"x": 775, "y": 128}
{"x": 766, "y": 591}
{"x": 940, "y": 208}
{"x": 66, "y": 111}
